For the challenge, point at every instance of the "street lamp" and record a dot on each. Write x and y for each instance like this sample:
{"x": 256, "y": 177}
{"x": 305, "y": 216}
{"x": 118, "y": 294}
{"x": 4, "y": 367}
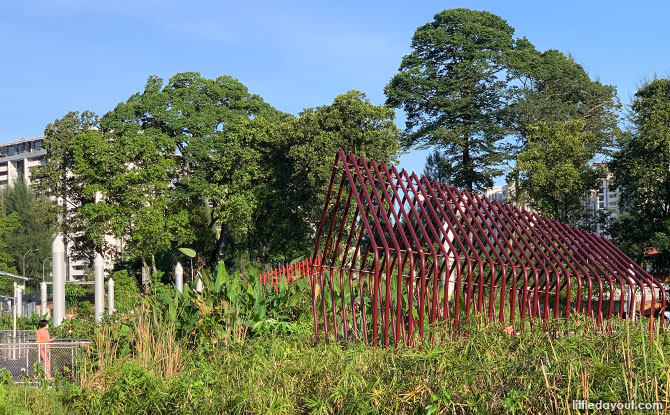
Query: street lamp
{"x": 24, "y": 259}
{"x": 44, "y": 262}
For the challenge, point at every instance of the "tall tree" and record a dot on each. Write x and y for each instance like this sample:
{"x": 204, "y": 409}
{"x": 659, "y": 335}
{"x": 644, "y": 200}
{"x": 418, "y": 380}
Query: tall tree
{"x": 128, "y": 179}
{"x": 35, "y": 226}
{"x": 55, "y": 177}
{"x": 7, "y": 226}
{"x": 351, "y": 123}
{"x": 555, "y": 168}
{"x": 642, "y": 169}
{"x": 451, "y": 89}
{"x": 551, "y": 87}
{"x": 438, "y": 167}
{"x": 210, "y": 124}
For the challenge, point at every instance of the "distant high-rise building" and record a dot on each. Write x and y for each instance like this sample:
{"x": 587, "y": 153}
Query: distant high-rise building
{"x": 18, "y": 158}
{"x": 603, "y": 200}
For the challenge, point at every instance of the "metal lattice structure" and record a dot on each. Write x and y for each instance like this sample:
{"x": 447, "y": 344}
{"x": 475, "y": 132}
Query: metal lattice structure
{"x": 399, "y": 254}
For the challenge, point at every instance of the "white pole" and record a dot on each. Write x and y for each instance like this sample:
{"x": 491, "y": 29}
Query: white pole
{"x": 99, "y": 269}
{"x": 43, "y": 298}
{"x": 179, "y": 277}
{"x": 110, "y": 297}
{"x": 58, "y": 272}
{"x": 19, "y": 300}
{"x": 16, "y": 292}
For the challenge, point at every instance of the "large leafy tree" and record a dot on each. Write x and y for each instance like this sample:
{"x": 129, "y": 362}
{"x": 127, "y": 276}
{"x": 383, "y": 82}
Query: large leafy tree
{"x": 555, "y": 168}
{"x": 642, "y": 169}
{"x": 451, "y": 88}
{"x": 55, "y": 177}
{"x": 551, "y": 87}
{"x": 128, "y": 179}
{"x": 351, "y": 123}
{"x": 219, "y": 131}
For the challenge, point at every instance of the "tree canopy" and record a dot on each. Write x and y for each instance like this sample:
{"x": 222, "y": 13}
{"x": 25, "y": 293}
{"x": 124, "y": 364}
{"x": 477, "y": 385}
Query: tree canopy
{"x": 642, "y": 169}
{"x": 451, "y": 88}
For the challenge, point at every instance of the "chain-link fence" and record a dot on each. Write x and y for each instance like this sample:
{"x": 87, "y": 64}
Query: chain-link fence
{"x": 23, "y": 359}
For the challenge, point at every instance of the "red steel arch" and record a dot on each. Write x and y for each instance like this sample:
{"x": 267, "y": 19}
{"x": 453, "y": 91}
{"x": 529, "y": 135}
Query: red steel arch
{"x": 396, "y": 253}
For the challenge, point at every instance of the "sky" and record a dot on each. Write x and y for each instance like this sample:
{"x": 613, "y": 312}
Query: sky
{"x": 74, "y": 55}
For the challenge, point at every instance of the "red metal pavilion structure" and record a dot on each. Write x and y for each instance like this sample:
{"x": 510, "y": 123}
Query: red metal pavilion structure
{"x": 397, "y": 254}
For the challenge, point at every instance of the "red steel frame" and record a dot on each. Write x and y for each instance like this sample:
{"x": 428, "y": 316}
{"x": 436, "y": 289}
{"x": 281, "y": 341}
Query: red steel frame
{"x": 398, "y": 254}
{"x": 289, "y": 272}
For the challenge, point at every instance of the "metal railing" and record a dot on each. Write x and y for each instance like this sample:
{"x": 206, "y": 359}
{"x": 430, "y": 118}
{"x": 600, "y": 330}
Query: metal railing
{"x": 22, "y": 359}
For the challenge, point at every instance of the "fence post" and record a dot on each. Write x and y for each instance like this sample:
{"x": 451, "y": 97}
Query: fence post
{"x": 179, "y": 277}
{"x": 99, "y": 265}
{"x": 43, "y": 298}
{"x": 110, "y": 297}
{"x": 58, "y": 269}
{"x": 19, "y": 300}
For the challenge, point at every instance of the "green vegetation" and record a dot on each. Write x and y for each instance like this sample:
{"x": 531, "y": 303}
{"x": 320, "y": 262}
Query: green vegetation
{"x": 205, "y": 163}
{"x": 641, "y": 167}
{"x": 224, "y": 351}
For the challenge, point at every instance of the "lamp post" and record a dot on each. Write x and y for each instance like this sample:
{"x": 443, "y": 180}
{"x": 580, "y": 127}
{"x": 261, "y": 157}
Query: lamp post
{"x": 44, "y": 262}
{"x": 24, "y": 259}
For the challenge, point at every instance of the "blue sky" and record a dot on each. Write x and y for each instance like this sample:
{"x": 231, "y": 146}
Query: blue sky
{"x": 59, "y": 56}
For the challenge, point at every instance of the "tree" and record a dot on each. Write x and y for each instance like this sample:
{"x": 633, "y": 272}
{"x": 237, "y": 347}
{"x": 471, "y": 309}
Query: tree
{"x": 127, "y": 178}
{"x": 34, "y": 227}
{"x": 642, "y": 169}
{"x": 438, "y": 167}
{"x": 218, "y": 131}
{"x": 556, "y": 170}
{"x": 551, "y": 87}
{"x": 55, "y": 177}
{"x": 304, "y": 165}
{"x": 7, "y": 226}
{"x": 451, "y": 88}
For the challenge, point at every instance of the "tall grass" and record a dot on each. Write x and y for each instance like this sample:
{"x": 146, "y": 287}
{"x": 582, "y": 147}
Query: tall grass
{"x": 484, "y": 371}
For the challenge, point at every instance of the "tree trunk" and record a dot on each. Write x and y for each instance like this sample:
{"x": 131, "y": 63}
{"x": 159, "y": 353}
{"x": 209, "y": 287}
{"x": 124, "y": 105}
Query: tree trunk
{"x": 153, "y": 264}
{"x": 219, "y": 244}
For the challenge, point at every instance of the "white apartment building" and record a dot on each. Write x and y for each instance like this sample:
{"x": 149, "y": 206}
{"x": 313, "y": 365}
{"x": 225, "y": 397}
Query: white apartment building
{"x": 498, "y": 193}
{"x": 603, "y": 200}
{"x": 18, "y": 158}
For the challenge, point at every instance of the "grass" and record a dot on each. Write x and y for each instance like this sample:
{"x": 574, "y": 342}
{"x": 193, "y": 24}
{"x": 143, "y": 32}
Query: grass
{"x": 485, "y": 371}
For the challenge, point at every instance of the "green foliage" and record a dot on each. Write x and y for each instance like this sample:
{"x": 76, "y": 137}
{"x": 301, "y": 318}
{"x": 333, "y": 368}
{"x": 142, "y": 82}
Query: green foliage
{"x": 302, "y": 164}
{"x": 641, "y": 169}
{"x": 55, "y": 178}
{"x": 555, "y": 169}
{"x": 73, "y": 294}
{"x": 488, "y": 371}
{"x": 231, "y": 307}
{"x": 82, "y": 327}
{"x": 451, "y": 88}
{"x": 126, "y": 291}
{"x": 22, "y": 323}
{"x": 7, "y": 226}
{"x": 220, "y": 131}
{"x": 551, "y": 87}
{"x": 35, "y": 225}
